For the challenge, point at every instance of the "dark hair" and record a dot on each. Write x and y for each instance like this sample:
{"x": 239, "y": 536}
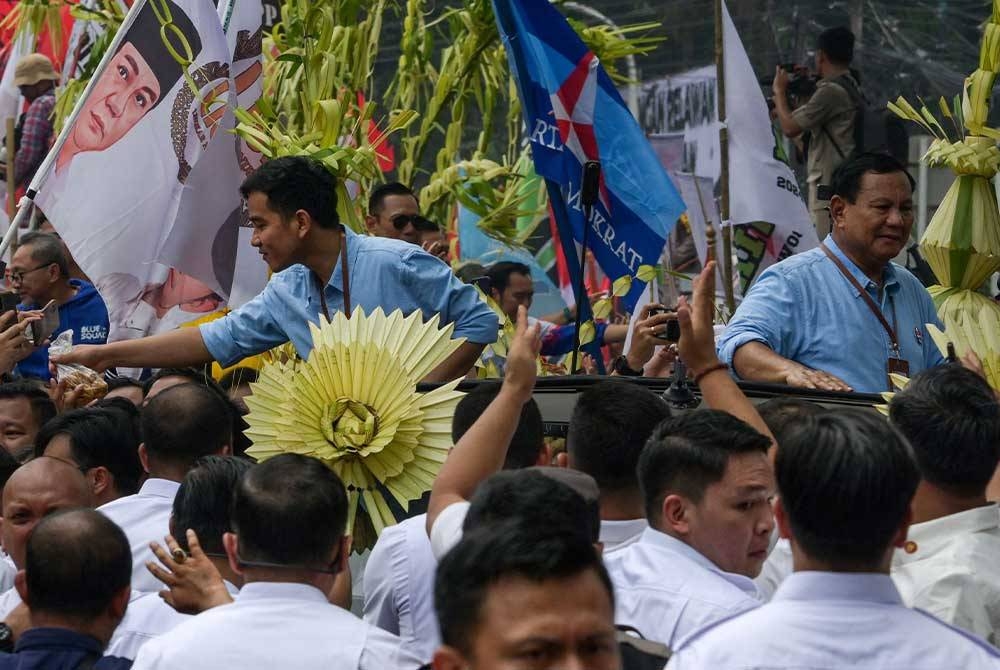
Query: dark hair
{"x": 99, "y": 437}
{"x": 150, "y": 33}
{"x": 42, "y": 407}
{"x": 186, "y": 422}
{"x": 487, "y": 556}
{"x": 499, "y": 273}
{"x": 468, "y": 272}
{"x": 46, "y": 248}
{"x": 77, "y": 561}
{"x": 529, "y": 438}
{"x": 383, "y": 191}
{"x": 203, "y": 500}
{"x": 838, "y": 45}
{"x": 531, "y": 498}
{"x": 952, "y": 420}
{"x": 290, "y": 510}
{"x": 8, "y": 464}
{"x": 687, "y": 453}
{"x": 610, "y": 425}
{"x": 781, "y": 414}
{"x": 847, "y": 178}
{"x": 238, "y": 376}
{"x": 121, "y": 382}
{"x": 191, "y": 374}
{"x": 293, "y": 183}
{"x": 846, "y": 479}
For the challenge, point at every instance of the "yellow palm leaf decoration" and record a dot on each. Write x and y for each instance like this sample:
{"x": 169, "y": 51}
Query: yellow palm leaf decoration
{"x": 353, "y": 404}
{"x": 973, "y": 324}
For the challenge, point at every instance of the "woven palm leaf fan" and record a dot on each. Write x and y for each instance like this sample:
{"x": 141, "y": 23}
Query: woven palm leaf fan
{"x": 353, "y": 404}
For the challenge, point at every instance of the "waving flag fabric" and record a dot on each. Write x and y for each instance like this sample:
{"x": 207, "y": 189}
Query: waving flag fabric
{"x": 574, "y": 114}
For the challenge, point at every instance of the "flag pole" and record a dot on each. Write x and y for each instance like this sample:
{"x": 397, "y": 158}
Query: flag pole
{"x": 727, "y": 231}
{"x": 43, "y": 169}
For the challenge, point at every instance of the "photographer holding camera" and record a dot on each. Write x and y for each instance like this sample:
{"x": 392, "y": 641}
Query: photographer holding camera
{"x": 828, "y": 116}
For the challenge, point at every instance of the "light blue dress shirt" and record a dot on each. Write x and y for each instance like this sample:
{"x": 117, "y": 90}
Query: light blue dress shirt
{"x": 667, "y": 590}
{"x": 807, "y": 311}
{"x": 385, "y": 273}
{"x": 826, "y": 620}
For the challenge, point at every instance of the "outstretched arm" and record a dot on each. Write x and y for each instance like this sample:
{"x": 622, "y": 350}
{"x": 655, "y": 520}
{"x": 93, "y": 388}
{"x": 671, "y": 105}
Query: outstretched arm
{"x": 179, "y": 348}
{"x": 756, "y": 361}
{"x": 482, "y": 449}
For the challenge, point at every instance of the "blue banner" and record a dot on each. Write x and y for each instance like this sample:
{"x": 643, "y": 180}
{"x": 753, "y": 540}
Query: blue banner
{"x": 573, "y": 114}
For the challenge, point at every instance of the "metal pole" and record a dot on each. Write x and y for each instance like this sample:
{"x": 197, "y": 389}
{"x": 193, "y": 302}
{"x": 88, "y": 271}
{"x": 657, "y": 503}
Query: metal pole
{"x": 727, "y": 231}
{"x": 581, "y": 288}
{"x": 925, "y": 143}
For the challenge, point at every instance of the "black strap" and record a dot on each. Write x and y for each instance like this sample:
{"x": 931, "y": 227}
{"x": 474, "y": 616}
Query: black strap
{"x": 846, "y": 83}
{"x": 347, "y": 283}
{"x": 891, "y": 330}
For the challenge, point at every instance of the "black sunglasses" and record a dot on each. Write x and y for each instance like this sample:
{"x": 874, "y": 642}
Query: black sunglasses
{"x": 400, "y": 221}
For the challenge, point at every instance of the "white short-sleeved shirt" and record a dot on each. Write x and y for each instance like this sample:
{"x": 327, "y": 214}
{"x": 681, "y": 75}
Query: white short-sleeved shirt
{"x": 667, "y": 590}
{"x": 447, "y": 529}
{"x": 147, "y": 618}
{"x": 145, "y": 518}
{"x": 950, "y": 567}
{"x": 826, "y": 620}
{"x": 616, "y": 535}
{"x": 275, "y": 625}
{"x": 399, "y": 586}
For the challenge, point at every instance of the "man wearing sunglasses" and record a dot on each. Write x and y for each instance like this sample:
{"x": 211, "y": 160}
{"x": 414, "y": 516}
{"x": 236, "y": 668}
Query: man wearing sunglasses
{"x": 393, "y": 212}
{"x": 39, "y": 272}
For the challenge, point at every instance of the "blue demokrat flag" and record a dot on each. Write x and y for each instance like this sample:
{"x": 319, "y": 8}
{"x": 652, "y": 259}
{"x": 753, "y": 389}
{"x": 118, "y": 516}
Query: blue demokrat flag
{"x": 573, "y": 114}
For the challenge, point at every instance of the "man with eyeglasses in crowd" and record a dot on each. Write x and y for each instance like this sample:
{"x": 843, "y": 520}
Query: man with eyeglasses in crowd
{"x": 39, "y": 272}
{"x": 393, "y": 212}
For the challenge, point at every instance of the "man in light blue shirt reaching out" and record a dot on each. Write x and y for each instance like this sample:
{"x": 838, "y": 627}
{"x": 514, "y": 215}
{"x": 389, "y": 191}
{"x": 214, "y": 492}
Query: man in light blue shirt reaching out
{"x": 842, "y": 316}
{"x": 320, "y": 268}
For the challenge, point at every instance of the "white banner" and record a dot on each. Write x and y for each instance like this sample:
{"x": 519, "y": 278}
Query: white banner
{"x": 118, "y": 182}
{"x": 763, "y": 191}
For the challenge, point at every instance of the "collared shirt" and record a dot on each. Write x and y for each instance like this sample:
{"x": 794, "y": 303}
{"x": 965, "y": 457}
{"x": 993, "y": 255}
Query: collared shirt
{"x": 835, "y": 620}
{"x": 829, "y": 117}
{"x": 385, "y": 273}
{"x": 667, "y": 590}
{"x": 58, "y": 649}
{"x": 949, "y": 567}
{"x": 399, "y": 586}
{"x": 805, "y": 310}
{"x": 145, "y": 518}
{"x": 36, "y": 136}
{"x": 616, "y": 535}
{"x": 147, "y": 617}
{"x": 275, "y": 625}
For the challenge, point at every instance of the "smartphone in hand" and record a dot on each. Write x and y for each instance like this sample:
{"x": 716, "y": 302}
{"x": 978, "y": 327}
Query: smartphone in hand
{"x": 41, "y": 330}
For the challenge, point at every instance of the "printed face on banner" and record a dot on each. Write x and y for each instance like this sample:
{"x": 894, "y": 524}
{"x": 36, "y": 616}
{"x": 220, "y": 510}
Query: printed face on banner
{"x": 126, "y": 91}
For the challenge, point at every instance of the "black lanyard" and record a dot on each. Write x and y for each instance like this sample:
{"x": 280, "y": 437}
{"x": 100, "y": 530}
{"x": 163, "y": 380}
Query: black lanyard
{"x": 347, "y": 283}
{"x": 891, "y": 330}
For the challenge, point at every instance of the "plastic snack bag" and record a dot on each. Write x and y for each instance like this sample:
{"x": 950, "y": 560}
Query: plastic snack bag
{"x": 76, "y": 376}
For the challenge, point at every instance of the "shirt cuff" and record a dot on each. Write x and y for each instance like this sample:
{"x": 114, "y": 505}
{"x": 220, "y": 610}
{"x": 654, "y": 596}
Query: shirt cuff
{"x": 447, "y": 529}
{"x": 479, "y": 328}
{"x": 727, "y": 350}
{"x": 219, "y": 342}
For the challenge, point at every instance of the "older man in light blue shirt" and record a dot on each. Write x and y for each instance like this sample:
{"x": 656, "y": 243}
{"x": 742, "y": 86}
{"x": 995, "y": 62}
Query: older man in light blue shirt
{"x": 805, "y": 323}
{"x": 844, "y": 517}
{"x": 320, "y": 268}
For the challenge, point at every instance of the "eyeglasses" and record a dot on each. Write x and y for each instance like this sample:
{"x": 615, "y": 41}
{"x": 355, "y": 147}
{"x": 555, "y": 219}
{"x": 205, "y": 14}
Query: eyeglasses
{"x": 400, "y": 221}
{"x": 17, "y": 276}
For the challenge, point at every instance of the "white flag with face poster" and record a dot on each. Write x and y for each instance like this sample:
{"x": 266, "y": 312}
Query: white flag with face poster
{"x": 765, "y": 205}
{"x": 142, "y": 185}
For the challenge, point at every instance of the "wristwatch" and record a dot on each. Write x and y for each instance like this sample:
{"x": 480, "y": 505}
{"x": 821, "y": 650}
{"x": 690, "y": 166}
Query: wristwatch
{"x": 620, "y": 366}
{"x": 6, "y": 638}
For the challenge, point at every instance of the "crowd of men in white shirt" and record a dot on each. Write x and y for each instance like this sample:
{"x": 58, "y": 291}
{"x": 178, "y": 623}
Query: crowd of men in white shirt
{"x": 780, "y": 536}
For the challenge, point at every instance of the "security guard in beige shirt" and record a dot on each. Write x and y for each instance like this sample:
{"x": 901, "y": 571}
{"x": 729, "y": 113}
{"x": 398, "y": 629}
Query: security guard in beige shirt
{"x": 828, "y": 116}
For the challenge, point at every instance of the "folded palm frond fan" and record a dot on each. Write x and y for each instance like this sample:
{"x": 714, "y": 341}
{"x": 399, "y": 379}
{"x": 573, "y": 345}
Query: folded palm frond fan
{"x": 353, "y": 404}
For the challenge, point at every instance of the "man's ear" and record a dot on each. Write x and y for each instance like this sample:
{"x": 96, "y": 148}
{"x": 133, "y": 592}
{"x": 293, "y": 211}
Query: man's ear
{"x": 345, "y": 552}
{"x": 21, "y": 584}
{"x": 303, "y": 223}
{"x": 837, "y": 206}
{"x": 103, "y": 480}
{"x": 231, "y": 543}
{"x": 674, "y": 514}
{"x": 899, "y": 539}
{"x": 781, "y": 519}
{"x": 119, "y": 603}
{"x": 144, "y": 457}
{"x": 370, "y": 223}
{"x": 495, "y": 294}
{"x": 448, "y": 658}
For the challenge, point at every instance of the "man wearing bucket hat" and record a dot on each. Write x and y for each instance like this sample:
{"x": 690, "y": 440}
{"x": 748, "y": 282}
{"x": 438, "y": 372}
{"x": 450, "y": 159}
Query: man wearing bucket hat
{"x": 36, "y": 79}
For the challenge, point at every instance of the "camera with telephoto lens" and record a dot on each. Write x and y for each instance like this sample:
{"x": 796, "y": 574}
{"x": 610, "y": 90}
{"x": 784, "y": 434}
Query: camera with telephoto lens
{"x": 672, "y": 333}
{"x": 801, "y": 85}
